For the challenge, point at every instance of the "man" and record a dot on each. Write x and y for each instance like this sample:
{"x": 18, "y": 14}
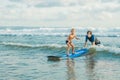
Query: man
{"x": 91, "y": 38}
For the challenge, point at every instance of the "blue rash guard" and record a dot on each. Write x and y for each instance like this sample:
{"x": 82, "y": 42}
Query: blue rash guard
{"x": 92, "y": 39}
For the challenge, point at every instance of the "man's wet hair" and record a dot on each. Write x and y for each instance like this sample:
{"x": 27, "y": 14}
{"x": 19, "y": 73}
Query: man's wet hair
{"x": 89, "y": 32}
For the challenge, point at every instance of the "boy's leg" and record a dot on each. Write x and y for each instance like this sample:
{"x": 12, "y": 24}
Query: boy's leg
{"x": 68, "y": 48}
{"x": 72, "y": 45}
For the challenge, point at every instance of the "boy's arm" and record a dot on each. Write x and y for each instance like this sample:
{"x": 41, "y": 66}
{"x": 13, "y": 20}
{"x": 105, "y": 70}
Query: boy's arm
{"x": 77, "y": 38}
{"x": 68, "y": 38}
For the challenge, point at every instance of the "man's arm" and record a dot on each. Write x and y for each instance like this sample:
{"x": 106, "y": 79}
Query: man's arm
{"x": 93, "y": 38}
{"x": 93, "y": 43}
{"x": 86, "y": 38}
{"x": 85, "y": 45}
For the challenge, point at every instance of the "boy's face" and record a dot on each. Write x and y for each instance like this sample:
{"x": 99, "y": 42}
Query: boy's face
{"x": 89, "y": 35}
{"x": 73, "y": 31}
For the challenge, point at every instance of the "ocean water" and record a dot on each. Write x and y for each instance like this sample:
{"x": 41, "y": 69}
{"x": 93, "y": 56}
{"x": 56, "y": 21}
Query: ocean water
{"x": 24, "y": 51}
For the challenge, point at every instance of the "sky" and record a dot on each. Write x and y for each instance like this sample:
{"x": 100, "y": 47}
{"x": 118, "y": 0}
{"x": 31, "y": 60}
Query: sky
{"x": 90, "y": 13}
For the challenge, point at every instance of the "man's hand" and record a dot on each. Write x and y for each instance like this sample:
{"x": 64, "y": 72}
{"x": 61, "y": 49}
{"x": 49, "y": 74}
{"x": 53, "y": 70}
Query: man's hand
{"x": 85, "y": 45}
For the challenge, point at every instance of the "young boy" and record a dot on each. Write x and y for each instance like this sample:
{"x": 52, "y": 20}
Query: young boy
{"x": 91, "y": 38}
{"x": 69, "y": 41}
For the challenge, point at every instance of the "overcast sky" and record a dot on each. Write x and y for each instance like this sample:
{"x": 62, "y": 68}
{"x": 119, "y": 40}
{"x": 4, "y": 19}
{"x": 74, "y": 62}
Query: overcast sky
{"x": 91, "y": 13}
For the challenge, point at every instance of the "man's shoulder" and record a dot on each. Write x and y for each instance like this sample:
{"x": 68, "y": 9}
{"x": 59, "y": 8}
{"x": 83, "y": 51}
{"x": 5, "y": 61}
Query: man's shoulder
{"x": 93, "y": 35}
{"x": 86, "y": 36}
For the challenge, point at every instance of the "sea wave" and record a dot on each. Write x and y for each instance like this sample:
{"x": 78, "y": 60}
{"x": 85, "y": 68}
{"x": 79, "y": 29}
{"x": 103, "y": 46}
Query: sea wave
{"x": 110, "y": 49}
{"x": 81, "y": 31}
{"x": 32, "y": 46}
{"x": 59, "y": 34}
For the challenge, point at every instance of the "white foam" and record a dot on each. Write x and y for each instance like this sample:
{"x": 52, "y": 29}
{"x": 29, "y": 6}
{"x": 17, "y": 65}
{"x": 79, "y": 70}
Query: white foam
{"x": 112, "y": 49}
{"x": 32, "y": 46}
{"x": 16, "y": 44}
{"x": 61, "y": 31}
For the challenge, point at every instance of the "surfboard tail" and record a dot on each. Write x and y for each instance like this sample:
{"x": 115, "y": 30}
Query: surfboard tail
{"x": 54, "y": 58}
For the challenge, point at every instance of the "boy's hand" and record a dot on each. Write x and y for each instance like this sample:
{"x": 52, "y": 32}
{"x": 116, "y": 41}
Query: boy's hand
{"x": 78, "y": 38}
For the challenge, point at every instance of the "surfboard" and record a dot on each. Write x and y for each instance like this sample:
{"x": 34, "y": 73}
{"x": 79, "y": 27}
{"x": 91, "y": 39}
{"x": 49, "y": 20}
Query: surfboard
{"x": 77, "y": 53}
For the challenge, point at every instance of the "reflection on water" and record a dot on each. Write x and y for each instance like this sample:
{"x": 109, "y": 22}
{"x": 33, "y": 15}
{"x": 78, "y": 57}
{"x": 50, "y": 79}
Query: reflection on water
{"x": 90, "y": 65}
{"x": 70, "y": 69}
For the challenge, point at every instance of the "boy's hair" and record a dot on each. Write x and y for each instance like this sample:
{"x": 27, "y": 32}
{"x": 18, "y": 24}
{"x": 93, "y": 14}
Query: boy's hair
{"x": 72, "y": 29}
{"x": 89, "y": 32}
